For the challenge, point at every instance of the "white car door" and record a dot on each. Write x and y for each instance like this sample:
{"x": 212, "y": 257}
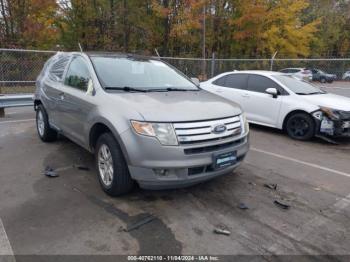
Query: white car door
{"x": 232, "y": 87}
{"x": 262, "y": 108}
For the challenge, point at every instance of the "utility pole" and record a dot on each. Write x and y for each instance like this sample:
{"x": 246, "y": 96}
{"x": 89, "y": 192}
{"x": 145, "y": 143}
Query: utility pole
{"x": 204, "y": 65}
{"x": 272, "y": 60}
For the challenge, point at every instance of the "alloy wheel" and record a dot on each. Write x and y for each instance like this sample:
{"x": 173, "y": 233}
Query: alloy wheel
{"x": 105, "y": 165}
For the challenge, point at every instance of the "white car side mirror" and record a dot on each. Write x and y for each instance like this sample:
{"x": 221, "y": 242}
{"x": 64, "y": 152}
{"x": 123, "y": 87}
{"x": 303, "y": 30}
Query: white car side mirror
{"x": 272, "y": 91}
{"x": 195, "y": 80}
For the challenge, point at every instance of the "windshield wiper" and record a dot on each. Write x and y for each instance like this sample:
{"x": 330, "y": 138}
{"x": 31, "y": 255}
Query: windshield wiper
{"x": 180, "y": 89}
{"x": 313, "y": 93}
{"x": 171, "y": 89}
{"x": 317, "y": 93}
{"x": 126, "y": 89}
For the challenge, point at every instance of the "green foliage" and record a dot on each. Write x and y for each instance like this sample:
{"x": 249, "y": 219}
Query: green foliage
{"x": 234, "y": 28}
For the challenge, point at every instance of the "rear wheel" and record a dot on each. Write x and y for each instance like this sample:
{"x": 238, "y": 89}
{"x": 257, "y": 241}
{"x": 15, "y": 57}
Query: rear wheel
{"x": 300, "y": 126}
{"x": 45, "y": 132}
{"x": 113, "y": 172}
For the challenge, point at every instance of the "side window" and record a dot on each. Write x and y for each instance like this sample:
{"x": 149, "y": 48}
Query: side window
{"x": 220, "y": 81}
{"x": 78, "y": 74}
{"x": 57, "y": 68}
{"x": 285, "y": 70}
{"x": 257, "y": 83}
{"x": 237, "y": 81}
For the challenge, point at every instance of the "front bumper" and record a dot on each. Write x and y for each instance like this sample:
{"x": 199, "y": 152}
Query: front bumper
{"x": 155, "y": 166}
{"x": 334, "y": 128}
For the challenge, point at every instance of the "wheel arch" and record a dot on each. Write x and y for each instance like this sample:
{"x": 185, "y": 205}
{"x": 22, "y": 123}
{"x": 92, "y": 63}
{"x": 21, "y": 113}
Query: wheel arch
{"x": 96, "y": 131}
{"x": 101, "y": 127}
{"x": 292, "y": 113}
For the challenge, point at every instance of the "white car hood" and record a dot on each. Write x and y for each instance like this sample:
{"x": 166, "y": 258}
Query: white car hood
{"x": 329, "y": 100}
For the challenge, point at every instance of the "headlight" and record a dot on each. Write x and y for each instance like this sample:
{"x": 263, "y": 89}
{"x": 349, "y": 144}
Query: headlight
{"x": 162, "y": 131}
{"x": 244, "y": 124}
{"x": 333, "y": 114}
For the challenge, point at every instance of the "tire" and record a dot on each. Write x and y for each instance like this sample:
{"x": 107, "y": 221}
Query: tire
{"x": 116, "y": 180}
{"x": 45, "y": 132}
{"x": 323, "y": 80}
{"x": 300, "y": 126}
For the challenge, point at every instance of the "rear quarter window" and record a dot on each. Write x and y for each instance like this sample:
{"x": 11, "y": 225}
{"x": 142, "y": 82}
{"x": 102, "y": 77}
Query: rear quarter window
{"x": 58, "y": 67}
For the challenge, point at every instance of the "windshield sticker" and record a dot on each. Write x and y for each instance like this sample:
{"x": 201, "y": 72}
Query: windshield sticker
{"x": 137, "y": 68}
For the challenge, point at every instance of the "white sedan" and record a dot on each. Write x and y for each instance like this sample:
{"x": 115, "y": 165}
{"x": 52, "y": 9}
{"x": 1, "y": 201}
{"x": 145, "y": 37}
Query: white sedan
{"x": 346, "y": 76}
{"x": 281, "y": 101}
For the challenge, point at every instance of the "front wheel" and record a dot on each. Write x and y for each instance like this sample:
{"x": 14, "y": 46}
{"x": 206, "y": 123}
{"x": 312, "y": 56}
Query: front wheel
{"x": 300, "y": 126}
{"x": 113, "y": 172}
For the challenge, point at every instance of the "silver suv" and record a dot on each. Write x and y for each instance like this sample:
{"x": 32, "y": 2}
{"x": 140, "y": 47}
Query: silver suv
{"x": 144, "y": 120}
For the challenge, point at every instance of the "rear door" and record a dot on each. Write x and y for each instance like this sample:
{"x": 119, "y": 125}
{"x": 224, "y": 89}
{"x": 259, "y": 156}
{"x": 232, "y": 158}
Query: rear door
{"x": 262, "y": 108}
{"x": 51, "y": 86}
{"x": 76, "y": 104}
{"x": 232, "y": 87}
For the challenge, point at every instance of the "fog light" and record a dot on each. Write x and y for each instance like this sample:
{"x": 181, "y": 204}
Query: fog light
{"x": 161, "y": 172}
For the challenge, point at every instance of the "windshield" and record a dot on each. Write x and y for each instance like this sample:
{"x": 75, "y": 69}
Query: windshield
{"x": 297, "y": 86}
{"x": 134, "y": 74}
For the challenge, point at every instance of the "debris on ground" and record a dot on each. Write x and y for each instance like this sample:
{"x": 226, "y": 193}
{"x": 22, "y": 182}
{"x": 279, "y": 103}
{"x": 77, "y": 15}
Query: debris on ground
{"x": 243, "y": 206}
{"x": 140, "y": 223}
{"x": 50, "y": 172}
{"x": 252, "y": 183}
{"x": 271, "y": 186}
{"x": 222, "y": 231}
{"x": 281, "y": 205}
{"x": 83, "y": 168}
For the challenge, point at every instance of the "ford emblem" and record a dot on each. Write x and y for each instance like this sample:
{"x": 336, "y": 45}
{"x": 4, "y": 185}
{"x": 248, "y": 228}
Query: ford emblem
{"x": 218, "y": 129}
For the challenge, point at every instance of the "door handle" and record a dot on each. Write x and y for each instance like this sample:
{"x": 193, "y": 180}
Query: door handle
{"x": 218, "y": 91}
{"x": 245, "y": 95}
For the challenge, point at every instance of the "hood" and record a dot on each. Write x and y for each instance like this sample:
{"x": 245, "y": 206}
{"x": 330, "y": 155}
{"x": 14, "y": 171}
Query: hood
{"x": 329, "y": 100}
{"x": 178, "y": 106}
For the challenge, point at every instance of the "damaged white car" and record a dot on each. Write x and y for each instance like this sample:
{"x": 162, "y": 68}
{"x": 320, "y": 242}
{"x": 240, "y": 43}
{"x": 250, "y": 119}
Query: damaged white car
{"x": 281, "y": 101}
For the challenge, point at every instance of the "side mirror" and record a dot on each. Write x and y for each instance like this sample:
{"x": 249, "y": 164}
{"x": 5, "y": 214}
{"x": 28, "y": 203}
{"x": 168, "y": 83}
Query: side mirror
{"x": 195, "y": 80}
{"x": 90, "y": 88}
{"x": 272, "y": 91}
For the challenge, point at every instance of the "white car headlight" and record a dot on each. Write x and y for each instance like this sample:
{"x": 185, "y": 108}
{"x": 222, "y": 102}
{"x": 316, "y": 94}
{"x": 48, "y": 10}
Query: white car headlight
{"x": 164, "y": 132}
{"x": 244, "y": 124}
{"x": 332, "y": 114}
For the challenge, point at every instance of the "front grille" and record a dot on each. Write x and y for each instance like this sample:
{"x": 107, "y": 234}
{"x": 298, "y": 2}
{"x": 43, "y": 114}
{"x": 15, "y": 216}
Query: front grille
{"x": 206, "y": 149}
{"x": 345, "y": 115}
{"x": 202, "y": 131}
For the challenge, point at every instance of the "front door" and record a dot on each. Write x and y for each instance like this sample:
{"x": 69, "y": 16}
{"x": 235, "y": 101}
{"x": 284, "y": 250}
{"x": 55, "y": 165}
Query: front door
{"x": 76, "y": 104}
{"x": 262, "y": 108}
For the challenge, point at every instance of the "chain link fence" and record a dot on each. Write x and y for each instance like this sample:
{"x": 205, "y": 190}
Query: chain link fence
{"x": 19, "y": 68}
{"x": 213, "y": 67}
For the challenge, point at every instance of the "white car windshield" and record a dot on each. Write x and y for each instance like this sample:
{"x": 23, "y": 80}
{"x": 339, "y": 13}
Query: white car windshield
{"x": 139, "y": 74}
{"x": 297, "y": 86}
